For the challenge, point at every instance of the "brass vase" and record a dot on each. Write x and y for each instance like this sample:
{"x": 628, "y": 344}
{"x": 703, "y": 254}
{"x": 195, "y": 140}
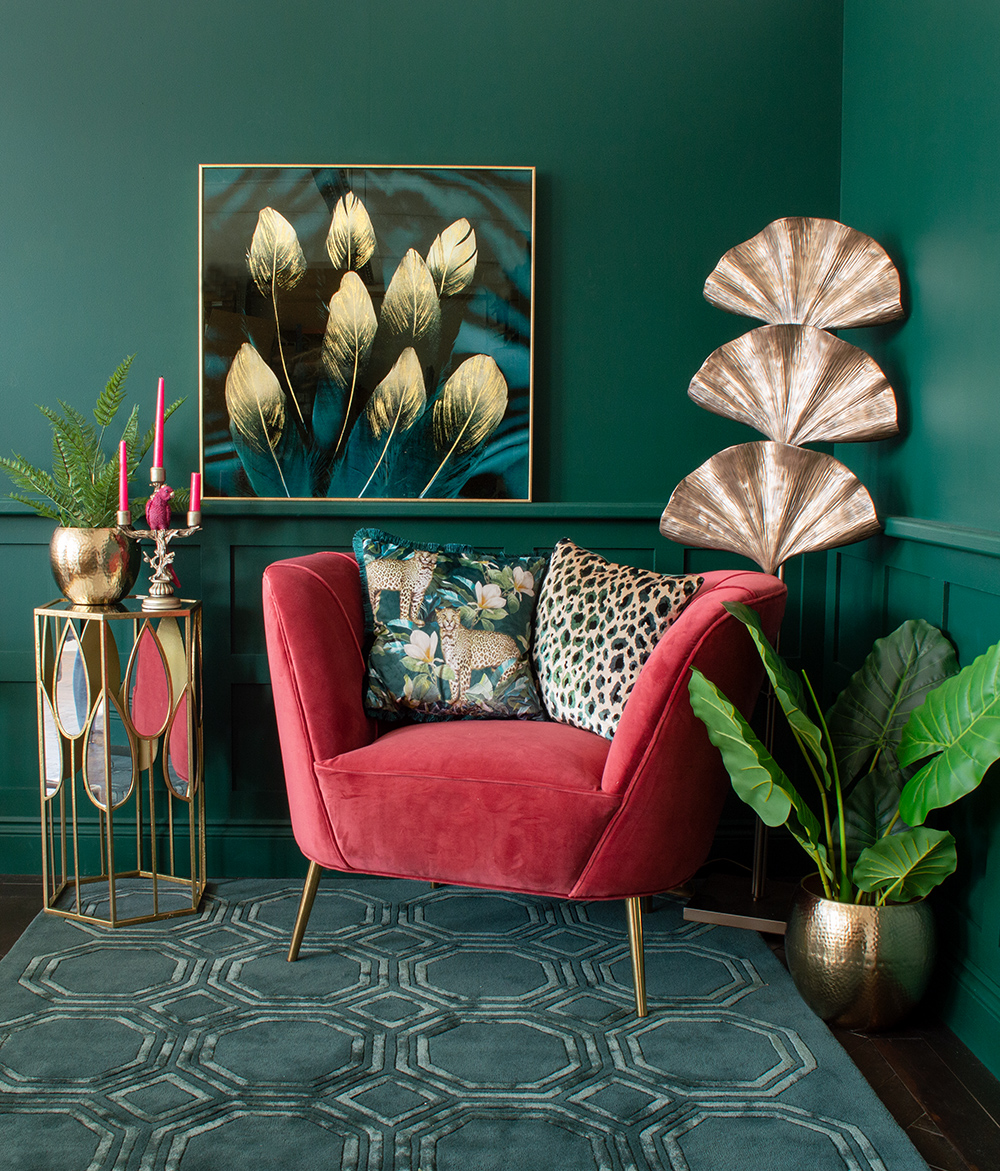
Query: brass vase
{"x": 94, "y": 567}
{"x": 859, "y": 967}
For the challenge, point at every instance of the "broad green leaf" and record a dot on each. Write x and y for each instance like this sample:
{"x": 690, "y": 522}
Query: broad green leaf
{"x": 959, "y": 724}
{"x": 870, "y": 808}
{"x": 908, "y": 865}
{"x": 787, "y": 686}
{"x": 870, "y": 713}
{"x": 756, "y": 777}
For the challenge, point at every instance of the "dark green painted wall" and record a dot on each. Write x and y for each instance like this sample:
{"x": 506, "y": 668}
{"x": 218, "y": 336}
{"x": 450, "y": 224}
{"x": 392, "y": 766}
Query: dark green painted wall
{"x": 662, "y": 133}
{"x": 921, "y": 173}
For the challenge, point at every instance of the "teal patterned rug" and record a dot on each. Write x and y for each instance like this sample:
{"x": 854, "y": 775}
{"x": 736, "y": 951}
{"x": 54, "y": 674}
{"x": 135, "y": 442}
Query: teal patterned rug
{"x": 444, "y": 1030}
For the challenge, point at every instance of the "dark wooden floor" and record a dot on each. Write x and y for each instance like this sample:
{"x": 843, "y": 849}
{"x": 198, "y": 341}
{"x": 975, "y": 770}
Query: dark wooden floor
{"x": 943, "y": 1097}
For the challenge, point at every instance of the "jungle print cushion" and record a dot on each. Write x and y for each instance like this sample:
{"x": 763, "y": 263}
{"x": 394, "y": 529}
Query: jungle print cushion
{"x": 596, "y": 625}
{"x": 450, "y": 630}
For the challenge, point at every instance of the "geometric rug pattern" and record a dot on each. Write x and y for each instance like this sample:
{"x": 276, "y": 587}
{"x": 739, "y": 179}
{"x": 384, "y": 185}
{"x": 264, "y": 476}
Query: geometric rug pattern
{"x": 420, "y": 1030}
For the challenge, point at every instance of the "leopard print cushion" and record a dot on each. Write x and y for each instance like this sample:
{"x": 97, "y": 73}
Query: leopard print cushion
{"x": 595, "y": 626}
{"x": 449, "y": 630}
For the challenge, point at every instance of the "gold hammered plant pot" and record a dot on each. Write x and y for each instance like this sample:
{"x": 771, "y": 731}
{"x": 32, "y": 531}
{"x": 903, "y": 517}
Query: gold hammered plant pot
{"x": 94, "y": 567}
{"x": 858, "y": 967}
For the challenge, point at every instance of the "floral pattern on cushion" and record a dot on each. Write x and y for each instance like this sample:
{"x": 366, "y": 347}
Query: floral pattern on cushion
{"x": 450, "y": 629}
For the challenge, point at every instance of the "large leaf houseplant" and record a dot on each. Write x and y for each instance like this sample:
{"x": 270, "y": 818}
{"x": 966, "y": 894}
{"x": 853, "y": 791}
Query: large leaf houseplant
{"x": 92, "y": 560}
{"x": 910, "y": 733}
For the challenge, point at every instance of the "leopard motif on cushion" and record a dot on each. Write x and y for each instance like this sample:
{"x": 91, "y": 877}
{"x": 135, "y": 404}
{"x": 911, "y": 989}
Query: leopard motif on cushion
{"x": 595, "y": 625}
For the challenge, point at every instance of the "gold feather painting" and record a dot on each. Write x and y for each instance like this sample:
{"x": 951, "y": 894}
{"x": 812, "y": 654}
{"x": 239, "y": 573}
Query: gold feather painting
{"x": 366, "y": 332}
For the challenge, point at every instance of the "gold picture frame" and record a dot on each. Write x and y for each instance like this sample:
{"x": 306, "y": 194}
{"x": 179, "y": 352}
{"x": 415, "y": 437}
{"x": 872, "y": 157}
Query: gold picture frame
{"x": 366, "y": 332}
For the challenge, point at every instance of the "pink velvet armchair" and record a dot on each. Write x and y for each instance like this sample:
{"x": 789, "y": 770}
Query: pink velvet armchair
{"x": 532, "y": 806}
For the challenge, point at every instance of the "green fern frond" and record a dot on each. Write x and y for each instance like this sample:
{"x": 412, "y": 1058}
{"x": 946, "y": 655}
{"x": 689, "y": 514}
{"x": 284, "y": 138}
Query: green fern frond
{"x": 82, "y": 489}
{"x": 129, "y": 435}
{"x": 41, "y": 508}
{"x": 77, "y": 450}
{"x": 113, "y": 395}
{"x": 31, "y": 479}
{"x": 60, "y": 464}
{"x": 79, "y": 423}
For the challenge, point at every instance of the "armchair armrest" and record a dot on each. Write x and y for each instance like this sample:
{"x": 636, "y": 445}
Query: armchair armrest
{"x": 314, "y": 624}
{"x": 672, "y": 781}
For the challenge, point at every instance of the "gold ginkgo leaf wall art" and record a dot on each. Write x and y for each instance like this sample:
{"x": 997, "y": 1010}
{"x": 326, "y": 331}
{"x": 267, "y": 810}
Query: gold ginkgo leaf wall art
{"x": 769, "y": 502}
{"x": 367, "y": 332}
{"x": 797, "y": 383}
{"x": 806, "y": 271}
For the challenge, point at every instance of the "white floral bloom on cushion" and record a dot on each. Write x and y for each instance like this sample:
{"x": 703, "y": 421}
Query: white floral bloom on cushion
{"x": 489, "y": 596}
{"x": 422, "y": 646}
{"x": 524, "y": 583}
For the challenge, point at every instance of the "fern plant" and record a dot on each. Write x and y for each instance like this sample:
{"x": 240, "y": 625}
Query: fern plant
{"x": 81, "y": 491}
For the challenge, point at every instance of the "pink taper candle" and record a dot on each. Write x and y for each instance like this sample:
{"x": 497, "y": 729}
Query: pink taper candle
{"x": 194, "y": 505}
{"x": 158, "y": 436}
{"x": 122, "y": 477}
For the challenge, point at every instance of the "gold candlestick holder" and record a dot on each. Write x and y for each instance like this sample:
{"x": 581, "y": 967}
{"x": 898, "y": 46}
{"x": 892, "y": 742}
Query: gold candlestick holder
{"x": 161, "y": 586}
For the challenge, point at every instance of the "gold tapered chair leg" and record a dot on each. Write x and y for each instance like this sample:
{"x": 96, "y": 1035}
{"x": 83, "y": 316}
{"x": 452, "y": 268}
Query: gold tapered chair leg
{"x": 634, "y": 910}
{"x": 305, "y": 906}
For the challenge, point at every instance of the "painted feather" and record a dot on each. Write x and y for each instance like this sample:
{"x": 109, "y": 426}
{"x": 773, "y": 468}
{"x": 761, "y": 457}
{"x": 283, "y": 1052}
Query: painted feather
{"x": 347, "y": 343}
{"x": 452, "y": 258}
{"x": 275, "y": 258}
{"x": 257, "y": 420}
{"x": 351, "y": 239}
{"x": 411, "y": 311}
{"x": 465, "y": 414}
{"x": 395, "y": 405}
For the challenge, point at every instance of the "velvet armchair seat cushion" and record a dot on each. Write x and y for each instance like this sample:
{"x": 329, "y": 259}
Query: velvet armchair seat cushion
{"x": 490, "y": 803}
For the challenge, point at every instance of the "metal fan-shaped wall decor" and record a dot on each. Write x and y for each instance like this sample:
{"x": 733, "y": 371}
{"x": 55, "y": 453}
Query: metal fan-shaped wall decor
{"x": 769, "y": 502}
{"x": 797, "y": 384}
{"x": 808, "y": 271}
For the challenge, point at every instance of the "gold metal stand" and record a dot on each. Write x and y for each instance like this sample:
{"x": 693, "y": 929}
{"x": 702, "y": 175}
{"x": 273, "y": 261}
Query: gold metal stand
{"x": 635, "y": 946}
{"x": 120, "y": 760}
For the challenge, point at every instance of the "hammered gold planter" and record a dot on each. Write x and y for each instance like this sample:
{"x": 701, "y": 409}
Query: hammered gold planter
{"x": 859, "y": 967}
{"x": 94, "y": 567}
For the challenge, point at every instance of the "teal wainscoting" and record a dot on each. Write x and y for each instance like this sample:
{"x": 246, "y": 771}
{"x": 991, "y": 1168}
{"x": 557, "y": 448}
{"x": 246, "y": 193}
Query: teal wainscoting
{"x": 951, "y": 577}
{"x": 248, "y": 830}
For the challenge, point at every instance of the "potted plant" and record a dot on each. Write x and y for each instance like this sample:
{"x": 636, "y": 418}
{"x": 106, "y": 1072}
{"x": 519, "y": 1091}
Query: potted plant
{"x": 93, "y": 561}
{"x": 860, "y": 937}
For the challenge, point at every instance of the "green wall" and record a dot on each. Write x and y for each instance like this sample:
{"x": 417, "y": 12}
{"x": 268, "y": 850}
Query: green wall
{"x": 662, "y": 133}
{"x": 921, "y": 173}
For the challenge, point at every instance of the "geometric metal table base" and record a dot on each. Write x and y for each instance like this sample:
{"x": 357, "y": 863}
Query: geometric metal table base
{"x": 120, "y": 761}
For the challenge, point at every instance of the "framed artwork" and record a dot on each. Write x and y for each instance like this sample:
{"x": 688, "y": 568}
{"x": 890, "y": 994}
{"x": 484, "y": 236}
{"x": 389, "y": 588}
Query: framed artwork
{"x": 366, "y": 332}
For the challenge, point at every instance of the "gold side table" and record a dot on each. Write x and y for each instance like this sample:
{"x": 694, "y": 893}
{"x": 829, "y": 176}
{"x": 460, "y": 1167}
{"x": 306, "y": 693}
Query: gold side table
{"x": 120, "y": 760}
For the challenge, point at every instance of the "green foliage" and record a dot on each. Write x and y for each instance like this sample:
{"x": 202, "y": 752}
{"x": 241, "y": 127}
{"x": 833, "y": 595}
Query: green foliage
{"x": 82, "y": 489}
{"x": 907, "y": 702}
{"x": 959, "y": 728}
{"x": 757, "y": 778}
